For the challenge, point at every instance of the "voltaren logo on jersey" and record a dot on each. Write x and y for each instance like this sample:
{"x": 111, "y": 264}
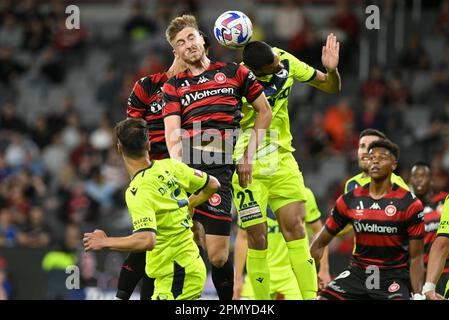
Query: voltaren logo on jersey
{"x": 390, "y": 210}
{"x": 187, "y": 99}
{"x": 215, "y": 200}
{"x": 373, "y": 228}
{"x": 220, "y": 78}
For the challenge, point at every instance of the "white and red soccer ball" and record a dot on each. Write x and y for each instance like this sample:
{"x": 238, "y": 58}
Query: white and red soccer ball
{"x": 233, "y": 29}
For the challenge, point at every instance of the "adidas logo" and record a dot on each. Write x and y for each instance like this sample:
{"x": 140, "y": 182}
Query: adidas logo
{"x": 260, "y": 279}
{"x": 375, "y": 206}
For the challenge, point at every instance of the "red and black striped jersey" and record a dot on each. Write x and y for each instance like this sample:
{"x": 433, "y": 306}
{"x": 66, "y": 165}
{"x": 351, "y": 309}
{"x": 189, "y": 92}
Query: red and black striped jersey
{"x": 382, "y": 227}
{"x": 212, "y": 100}
{"x": 146, "y": 102}
{"x": 432, "y": 215}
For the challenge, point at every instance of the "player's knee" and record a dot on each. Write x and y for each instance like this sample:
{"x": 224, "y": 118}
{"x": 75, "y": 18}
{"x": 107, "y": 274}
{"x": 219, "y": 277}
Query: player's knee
{"x": 257, "y": 241}
{"x": 294, "y": 231}
{"x": 218, "y": 259}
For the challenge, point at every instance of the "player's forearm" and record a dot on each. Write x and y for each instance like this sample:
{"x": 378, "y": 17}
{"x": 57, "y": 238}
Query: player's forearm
{"x": 319, "y": 244}
{"x": 259, "y": 131}
{"x": 332, "y": 84}
{"x": 173, "y": 137}
{"x": 437, "y": 259}
{"x": 324, "y": 262}
{"x": 133, "y": 243}
{"x": 417, "y": 273}
{"x": 196, "y": 199}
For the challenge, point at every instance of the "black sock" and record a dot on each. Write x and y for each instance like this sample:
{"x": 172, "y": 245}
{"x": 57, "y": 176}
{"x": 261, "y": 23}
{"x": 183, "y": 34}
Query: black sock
{"x": 223, "y": 279}
{"x": 132, "y": 271}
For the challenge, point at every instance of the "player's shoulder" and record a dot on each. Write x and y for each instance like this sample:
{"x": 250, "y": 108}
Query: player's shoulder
{"x": 439, "y": 197}
{"x": 407, "y": 197}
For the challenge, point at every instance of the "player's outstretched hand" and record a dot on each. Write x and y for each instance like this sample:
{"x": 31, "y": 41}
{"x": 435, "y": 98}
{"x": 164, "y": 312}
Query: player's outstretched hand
{"x": 330, "y": 53}
{"x": 94, "y": 240}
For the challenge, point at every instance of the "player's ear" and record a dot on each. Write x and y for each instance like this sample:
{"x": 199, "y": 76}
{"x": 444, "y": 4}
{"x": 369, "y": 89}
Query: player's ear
{"x": 394, "y": 165}
{"x": 148, "y": 146}
{"x": 119, "y": 148}
{"x": 174, "y": 53}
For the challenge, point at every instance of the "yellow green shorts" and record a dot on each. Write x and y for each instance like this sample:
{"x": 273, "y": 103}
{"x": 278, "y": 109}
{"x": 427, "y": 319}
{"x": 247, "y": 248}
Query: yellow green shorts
{"x": 276, "y": 181}
{"x": 185, "y": 283}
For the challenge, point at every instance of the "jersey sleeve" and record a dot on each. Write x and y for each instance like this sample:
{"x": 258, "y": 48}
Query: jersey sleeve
{"x": 251, "y": 89}
{"x": 313, "y": 214}
{"x": 415, "y": 220}
{"x": 338, "y": 218}
{"x": 142, "y": 212}
{"x": 138, "y": 99}
{"x": 301, "y": 70}
{"x": 443, "y": 229}
{"x": 171, "y": 99}
{"x": 191, "y": 180}
{"x": 399, "y": 181}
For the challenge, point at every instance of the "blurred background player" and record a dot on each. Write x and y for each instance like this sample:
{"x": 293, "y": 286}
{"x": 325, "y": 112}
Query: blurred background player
{"x": 205, "y": 101}
{"x": 421, "y": 182}
{"x": 438, "y": 256}
{"x": 145, "y": 101}
{"x": 277, "y": 180}
{"x": 157, "y": 201}
{"x": 281, "y": 285}
{"x": 388, "y": 227}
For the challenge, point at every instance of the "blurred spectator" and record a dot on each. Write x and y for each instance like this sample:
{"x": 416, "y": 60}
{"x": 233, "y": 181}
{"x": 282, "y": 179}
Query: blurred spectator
{"x": 69, "y": 40}
{"x": 52, "y": 66}
{"x": 89, "y": 272}
{"x": 398, "y": 94}
{"x": 40, "y": 133}
{"x": 346, "y": 20}
{"x": 103, "y": 137}
{"x": 289, "y": 22}
{"x": 36, "y": 36}
{"x": 151, "y": 64}
{"x": 10, "y": 120}
{"x": 139, "y": 26}
{"x": 110, "y": 84}
{"x": 8, "y": 232}
{"x": 100, "y": 189}
{"x": 71, "y": 133}
{"x": 10, "y": 68}
{"x": 337, "y": 120}
{"x": 441, "y": 75}
{"x": 55, "y": 155}
{"x": 375, "y": 86}
{"x": 372, "y": 116}
{"x": 414, "y": 56}
{"x": 5, "y": 169}
{"x": 5, "y": 284}
{"x": 316, "y": 138}
{"x": 78, "y": 207}
{"x": 443, "y": 19}
{"x": 36, "y": 234}
{"x": 11, "y": 32}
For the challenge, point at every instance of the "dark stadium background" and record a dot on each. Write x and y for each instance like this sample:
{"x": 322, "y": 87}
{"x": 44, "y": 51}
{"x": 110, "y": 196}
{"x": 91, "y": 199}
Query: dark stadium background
{"x": 62, "y": 91}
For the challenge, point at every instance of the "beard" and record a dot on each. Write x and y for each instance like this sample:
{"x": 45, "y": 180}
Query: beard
{"x": 192, "y": 59}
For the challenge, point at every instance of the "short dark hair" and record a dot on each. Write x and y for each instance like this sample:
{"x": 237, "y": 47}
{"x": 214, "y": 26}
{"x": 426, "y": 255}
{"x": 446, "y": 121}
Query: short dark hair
{"x": 372, "y": 132}
{"x": 422, "y": 164}
{"x": 386, "y": 144}
{"x": 132, "y": 133}
{"x": 257, "y": 54}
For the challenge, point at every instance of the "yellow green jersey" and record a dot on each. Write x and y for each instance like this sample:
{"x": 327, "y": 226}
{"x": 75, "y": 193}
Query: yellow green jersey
{"x": 277, "y": 88}
{"x": 443, "y": 229}
{"x": 157, "y": 201}
{"x": 359, "y": 180}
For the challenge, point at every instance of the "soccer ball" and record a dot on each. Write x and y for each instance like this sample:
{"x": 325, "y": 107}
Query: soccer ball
{"x": 233, "y": 29}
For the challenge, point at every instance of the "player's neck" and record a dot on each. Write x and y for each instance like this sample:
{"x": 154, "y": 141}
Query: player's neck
{"x": 379, "y": 188}
{"x": 135, "y": 165}
{"x": 175, "y": 68}
{"x": 425, "y": 198}
{"x": 200, "y": 66}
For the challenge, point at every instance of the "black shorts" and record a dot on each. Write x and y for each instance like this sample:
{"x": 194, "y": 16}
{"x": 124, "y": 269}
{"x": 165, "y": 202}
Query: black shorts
{"x": 215, "y": 214}
{"x": 357, "y": 283}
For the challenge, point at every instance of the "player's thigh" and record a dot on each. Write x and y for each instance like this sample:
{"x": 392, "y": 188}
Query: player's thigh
{"x": 287, "y": 184}
{"x": 348, "y": 285}
{"x": 393, "y": 285}
{"x": 217, "y": 248}
{"x": 185, "y": 283}
{"x": 250, "y": 202}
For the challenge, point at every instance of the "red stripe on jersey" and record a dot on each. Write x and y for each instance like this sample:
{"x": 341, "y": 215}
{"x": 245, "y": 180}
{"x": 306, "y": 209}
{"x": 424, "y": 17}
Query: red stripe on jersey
{"x": 157, "y": 136}
{"x": 377, "y": 240}
{"x": 141, "y": 93}
{"x": 219, "y": 116}
{"x": 135, "y": 112}
{"x": 223, "y": 100}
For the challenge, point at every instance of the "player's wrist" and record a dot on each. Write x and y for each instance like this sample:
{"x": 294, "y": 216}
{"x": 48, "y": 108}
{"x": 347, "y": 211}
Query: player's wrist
{"x": 428, "y": 287}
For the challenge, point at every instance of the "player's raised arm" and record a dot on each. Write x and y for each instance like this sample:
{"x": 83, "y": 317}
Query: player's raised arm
{"x": 137, "y": 242}
{"x": 172, "y": 120}
{"x": 329, "y": 82}
{"x": 323, "y": 273}
{"x": 209, "y": 189}
{"x": 416, "y": 248}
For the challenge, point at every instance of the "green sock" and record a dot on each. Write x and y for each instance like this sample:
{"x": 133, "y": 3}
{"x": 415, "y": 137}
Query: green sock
{"x": 303, "y": 266}
{"x": 258, "y": 273}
